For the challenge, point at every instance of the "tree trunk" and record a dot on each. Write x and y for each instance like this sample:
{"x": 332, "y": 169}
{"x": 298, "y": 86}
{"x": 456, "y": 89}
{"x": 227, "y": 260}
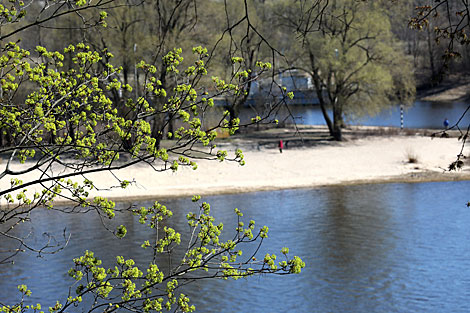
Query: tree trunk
{"x": 319, "y": 90}
{"x": 71, "y": 130}
{"x": 321, "y": 99}
{"x": 233, "y": 110}
{"x": 157, "y": 129}
{"x": 240, "y": 100}
{"x": 325, "y": 114}
{"x": 434, "y": 74}
{"x": 337, "y": 121}
{"x": 159, "y": 118}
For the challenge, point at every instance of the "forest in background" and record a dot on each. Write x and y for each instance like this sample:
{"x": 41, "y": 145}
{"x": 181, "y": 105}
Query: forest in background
{"x": 141, "y": 29}
{"x": 361, "y": 56}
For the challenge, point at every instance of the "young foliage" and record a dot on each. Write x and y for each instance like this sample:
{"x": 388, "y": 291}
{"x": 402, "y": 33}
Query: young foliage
{"x": 61, "y": 123}
{"x": 126, "y": 286}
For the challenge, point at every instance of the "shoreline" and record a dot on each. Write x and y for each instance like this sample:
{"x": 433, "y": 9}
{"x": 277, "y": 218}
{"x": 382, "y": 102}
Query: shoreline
{"x": 359, "y": 160}
{"x": 422, "y": 177}
{"x": 408, "y": 179}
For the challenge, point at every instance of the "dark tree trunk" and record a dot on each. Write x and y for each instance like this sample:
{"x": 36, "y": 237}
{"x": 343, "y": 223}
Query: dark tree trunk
{"x": 125, "y": 72}
{"x": 157, "y": 131}
{"x": 159, "y": 118}
{"x": 233, "y": 110}
{"x": 337, "y": 122}
{"x": 240, "y": 100}
{"x": 72, "y": 132}
{"x": 325, "y": 115}
{"x": 52, "y": 138}
{"x": 321, "y": 99}
{"x": 335, "y": 132}
{"x": 9, "y": 139}
{"x": 171, "y": 123}
{"x": 435, "y": 74}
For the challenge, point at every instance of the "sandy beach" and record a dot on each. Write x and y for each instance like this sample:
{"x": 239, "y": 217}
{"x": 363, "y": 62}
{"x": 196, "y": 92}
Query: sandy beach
{"x": 373, "y": 159}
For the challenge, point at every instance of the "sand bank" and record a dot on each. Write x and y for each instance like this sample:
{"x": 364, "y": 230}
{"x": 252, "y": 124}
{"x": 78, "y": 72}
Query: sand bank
{"x": 374, "y": 159}
{"x": 369, "y": 160}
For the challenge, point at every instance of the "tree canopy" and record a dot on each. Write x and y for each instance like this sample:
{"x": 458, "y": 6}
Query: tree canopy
{"x": 68, "y": 113}
{"x": 356, "y": 65}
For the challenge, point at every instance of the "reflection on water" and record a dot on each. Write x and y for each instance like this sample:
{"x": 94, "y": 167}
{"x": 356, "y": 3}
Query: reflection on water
{"x": 420, "y": 115}
{"x": 368, "y": 248}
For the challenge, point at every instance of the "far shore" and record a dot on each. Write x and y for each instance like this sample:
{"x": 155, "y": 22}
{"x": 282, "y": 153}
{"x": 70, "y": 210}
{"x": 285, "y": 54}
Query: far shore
{"x": 385, "y": 158}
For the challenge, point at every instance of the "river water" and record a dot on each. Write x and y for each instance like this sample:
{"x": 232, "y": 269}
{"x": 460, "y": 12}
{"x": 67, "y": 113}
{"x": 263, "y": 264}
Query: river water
{"x": 419, "y": 115}
{"x": 367, "y": 248}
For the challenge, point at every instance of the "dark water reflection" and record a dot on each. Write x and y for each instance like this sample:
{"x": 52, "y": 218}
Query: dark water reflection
{"x": 369, "y": 248}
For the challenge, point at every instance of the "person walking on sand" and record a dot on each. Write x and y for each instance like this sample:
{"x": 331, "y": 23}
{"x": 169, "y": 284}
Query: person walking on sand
{"x": 281, "y": 145}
